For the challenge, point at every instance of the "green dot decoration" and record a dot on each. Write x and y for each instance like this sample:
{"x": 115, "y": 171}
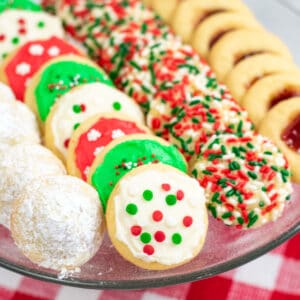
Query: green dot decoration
{"x": 147, "y": 195}
{"x": 117, "y": 106}
{"x": 176, "y": 238}
{"x": 145, "y": 237}
{"x": 131, "y": 209}
{"x": 171, "y": 200}
{"x": 76, "y": 109}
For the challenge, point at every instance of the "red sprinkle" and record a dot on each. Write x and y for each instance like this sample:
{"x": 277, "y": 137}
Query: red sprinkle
{"x": 148, "y": 249}
{"x": 155, "y": 124}
{"x": 22, "y": 31}
{"x": 159, "y": 236}
{"x": 2, "y": 37}
{"x": 66, "y": 143}
{"x": 166, "y": 187}
{"x": 136, "y": 230}
{"x": 83, "y": 107}
{"x": 180, "y": 195}
{"x": 187, "y": 221}
{"x": 157, "y": 216}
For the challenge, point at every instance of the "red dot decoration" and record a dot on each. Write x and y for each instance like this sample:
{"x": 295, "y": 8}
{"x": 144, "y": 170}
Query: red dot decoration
{"x": 21, "y": 21}
{"x": 83, "y": 107}
{"x": 187, "y": 221}
{"x": 2, "y": 37}
{"x": 180, "y": 195}
{"x": 157, "y": 216}
{"x": 166, "y": 187}
{"x": 148, "y": 249}
{"x": 159, "y": 236}
{"x": 136, "y": 230}
{"x": 66, "y": 143}
{"x": 156, "y": 123}
{"x": 22, "y": 30}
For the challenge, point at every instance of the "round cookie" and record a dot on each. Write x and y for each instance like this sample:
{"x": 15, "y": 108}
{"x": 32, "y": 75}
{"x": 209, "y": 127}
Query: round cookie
{"x": 156, "y": 217}
{"x": 79, "y": 104}
{"x": 19, "y": 4}
{"x": 165, "y": 9}
{"x": 19, "y": 165}
{"x": 17, "y": 124}
{"x": 281, "y": 125}
{"x": 6, "y": 94}
{"x": 19, "y": 67}
{"x": 214, "y": 27}
{"x": 126, "y": 153}
{"x": 58, "y": 77}
{"x": 246, "y": 180}
{"x": 197, "y": 11}
{"x": 20, "y": 26}
{"x": 93, "y": 135}
{"x": 57, "y": 222}
{"x": 268, "y": 92}
{"x": 240, "y": 44}
{"x": 254, "y": 68}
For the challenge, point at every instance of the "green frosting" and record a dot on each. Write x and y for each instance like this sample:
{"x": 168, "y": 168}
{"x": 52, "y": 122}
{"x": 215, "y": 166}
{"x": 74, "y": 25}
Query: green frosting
{"x": 128, "y": 155}
{"x": 59, "y": 78}
{"x": 19, "y": 4}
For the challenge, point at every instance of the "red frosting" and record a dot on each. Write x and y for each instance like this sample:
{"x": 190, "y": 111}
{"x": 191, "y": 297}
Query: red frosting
{"x": 30, "y": 57}
{"x": 85, "y": 150}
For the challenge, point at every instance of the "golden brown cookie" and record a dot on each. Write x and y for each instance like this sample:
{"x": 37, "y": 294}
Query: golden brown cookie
{"x": 268, "y": 92}
{"x": 282, "y": 125}
{"x": 215, "y": 26}
{"x": 191, "y": 13}
{"x": 248, "y": 71}
{"x": 166, "y": 9}
{"x": 238, "y": 45}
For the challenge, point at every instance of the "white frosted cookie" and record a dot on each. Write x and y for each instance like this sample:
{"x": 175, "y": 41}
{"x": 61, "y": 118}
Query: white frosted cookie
{"x": 81, "y": 103}
{"x": 240, "y": 44}
{"x": 20, "y": 26}
{"x": 254, "y": 68}
{"x": 57, "y": 222}
{"x": 17, "y": 124}
{"x": 19, "y": 165}
{"x": 6, "y": 93}
{"x": 156, "y": 217}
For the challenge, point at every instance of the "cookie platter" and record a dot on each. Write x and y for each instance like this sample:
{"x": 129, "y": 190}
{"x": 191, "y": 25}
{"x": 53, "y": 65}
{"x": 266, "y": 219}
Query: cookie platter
{"x": 155, "y": 215}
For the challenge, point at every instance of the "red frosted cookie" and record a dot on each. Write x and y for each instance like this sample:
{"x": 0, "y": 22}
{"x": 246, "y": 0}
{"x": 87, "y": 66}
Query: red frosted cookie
{"x": 20, "y": 67}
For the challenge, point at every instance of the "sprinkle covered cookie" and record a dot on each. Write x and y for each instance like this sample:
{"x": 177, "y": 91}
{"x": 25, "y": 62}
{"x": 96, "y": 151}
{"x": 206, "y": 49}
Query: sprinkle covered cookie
{"x": 126, "y": 153}
{"x": 156, "y": 217}
{"x": 246, "y": 180}
{"x": 93, "y": 135}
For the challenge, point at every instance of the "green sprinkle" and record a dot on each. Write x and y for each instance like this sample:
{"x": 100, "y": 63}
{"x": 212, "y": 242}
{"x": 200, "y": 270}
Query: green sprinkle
{"x": 264, "y": 189}
{"x": 234, "y": 166}
{"x": 230, "y": 193}
{"x": 76, "y": 109}
{"x": 15, "y": 40}
{"x": 213, "y": 210}
{"x": 261, "y": 204}
{"x": 195, "y": 173}
{"x": 41, "y": 24}
{"x": 176, "y": 238}
{"x": 226, "y": 215}
{"x": 240, "y": 220}
{"x": 131, "y": 209}
{"x": 171, "y": 200}
{"x": 287, "y": 198}
{"x": 76, "y": 126}
{"x": 252, "y": 175}
{"x": 223, "y": 149}
{"x": 268, "y": 153}
{"x": 145, "y": 89}
{"x": 135, "y": 65}
{"x": 117, "y": 105}
{"x": 206, "y": 172}
{"x": 144, "y": 28}
{"x": 148, "y": 195}
{"x": 145, "y": 237}
{"x": 252, "y": 221}
{"x": 249, "y": 145}
{"x": 215, "y": 198}
{"x": 274, "y": 168}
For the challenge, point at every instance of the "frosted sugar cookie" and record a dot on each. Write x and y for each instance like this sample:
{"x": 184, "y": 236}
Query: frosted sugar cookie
{"x": 268, "y": 92}
{"x": 6, "y": 94}
{"x": 244, "y": 75}
{"x": 58, "y": 77}
{"x": 79, "y": 104}
{"x": 246, "y": 180}
{"x": 156, "y": 217}
{"x": 20, "y": 26}
{"x": 126, "y": 153}
{"x": 238, "y": 45}
{"x": 57, "y": 222}
{"x": 281, "y": 125}
{"x": 19, "y": 165}
{"x": 93, "y": 135}
{"x": 19, "y": 67}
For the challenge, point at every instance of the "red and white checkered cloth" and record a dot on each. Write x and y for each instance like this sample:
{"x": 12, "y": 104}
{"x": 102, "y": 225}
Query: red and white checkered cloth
{"x": 274, "y": 276}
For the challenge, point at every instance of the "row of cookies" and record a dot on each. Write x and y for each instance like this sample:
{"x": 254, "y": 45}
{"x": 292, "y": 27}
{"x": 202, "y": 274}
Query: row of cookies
{"x": 255, "y": 65}
{"x": 185, "y": 105}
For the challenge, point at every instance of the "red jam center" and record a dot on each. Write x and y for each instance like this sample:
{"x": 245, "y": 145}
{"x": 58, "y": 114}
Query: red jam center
{"x": 240, "y": 57}
{"x": 283, "y": 95}
{"x": 208, "y": 14}
{"x": 291, "y": 134}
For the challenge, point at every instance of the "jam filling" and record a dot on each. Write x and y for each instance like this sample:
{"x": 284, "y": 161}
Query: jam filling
{"x": 240, "y": 57}
{"x": 208, "y": 14}
{"x": 217, "y": 36}
{"x": 291, "y": 134}
{"x": 284, "y": 95}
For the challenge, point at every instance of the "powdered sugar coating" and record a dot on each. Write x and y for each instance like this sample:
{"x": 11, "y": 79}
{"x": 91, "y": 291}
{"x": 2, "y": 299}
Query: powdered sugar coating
{"x": 58, "y": 222}
{"x": 19, "y": 165}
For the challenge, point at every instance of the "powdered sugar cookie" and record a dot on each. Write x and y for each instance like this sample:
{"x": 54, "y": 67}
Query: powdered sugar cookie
{"x": 268, "y": 92}
{"x": 6, "y": 94}
{"x": 57, "y": 222}
{"x": 281, "y": 125}
{"x": 93, "y": 135}
{"x": 58, "y": 77}
{"x": 156, "y": 217}
{"x": 238, "y": 45}
{"x": 19, "y": 165}
{"x": 240, "y": 79}
{"x": 126, "y": 153}
{"x": 19, "y": 67}
{"x": 246, "y": 180}
{"x": 20, "y": 26}
{"x": 79, "y": 104}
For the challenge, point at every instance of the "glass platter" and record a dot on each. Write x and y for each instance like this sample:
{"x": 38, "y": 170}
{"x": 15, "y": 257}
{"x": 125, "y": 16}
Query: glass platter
{"x": 225, "y": 247}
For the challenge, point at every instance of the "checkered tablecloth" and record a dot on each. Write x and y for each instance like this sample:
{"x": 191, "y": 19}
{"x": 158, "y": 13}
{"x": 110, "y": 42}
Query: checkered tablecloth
{"x": 274, "y": 276}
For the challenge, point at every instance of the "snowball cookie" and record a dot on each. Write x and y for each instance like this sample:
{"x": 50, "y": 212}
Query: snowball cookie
{"x": 244, "y": 75}
{"x": 238, "y": 45}
{"x": 282, "y": 125}
{"x": 17, "y": 124}
{"x": 6, "y": 94}
{"x": 19, "y": 165}
{"x": 57, "y": 222}
{"x": 214, "y": 27}
{"x": 156, "y": 217}
{"x": 76, "y": 106}
{"x": 196, "y": 11}
{"x": 268, "y": 92}
{"x": 246, "y": 180}
{"x": 165, "y": 9}
{"x": 20, "y": 26}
